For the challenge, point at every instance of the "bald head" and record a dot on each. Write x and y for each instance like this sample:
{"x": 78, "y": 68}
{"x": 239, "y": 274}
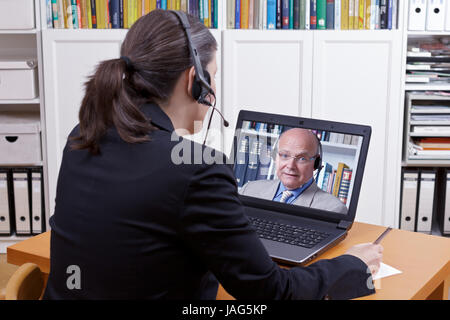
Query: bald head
{"x": 298, "y": 148}
{"x": 306, "y": 136}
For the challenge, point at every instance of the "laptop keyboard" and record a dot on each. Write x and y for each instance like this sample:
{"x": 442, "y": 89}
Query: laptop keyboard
{"x": 294, "y": 235}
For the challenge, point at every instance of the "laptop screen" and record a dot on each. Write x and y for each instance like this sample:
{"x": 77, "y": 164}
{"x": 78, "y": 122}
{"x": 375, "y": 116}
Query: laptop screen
{"x": 313, "y": 165}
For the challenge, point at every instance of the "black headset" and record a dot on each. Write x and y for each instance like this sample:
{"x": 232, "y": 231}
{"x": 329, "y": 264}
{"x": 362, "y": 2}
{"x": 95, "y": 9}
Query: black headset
{"x": 201, "y": 87}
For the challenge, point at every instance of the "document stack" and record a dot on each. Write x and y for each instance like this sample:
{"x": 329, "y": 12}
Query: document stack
{"x": 21, "y": 201}
{"x": 429, "y": 15}
{"x": 428, "y": 61}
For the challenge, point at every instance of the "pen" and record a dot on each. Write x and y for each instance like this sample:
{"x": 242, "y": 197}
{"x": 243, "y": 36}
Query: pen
{"x": 385, "y": 232}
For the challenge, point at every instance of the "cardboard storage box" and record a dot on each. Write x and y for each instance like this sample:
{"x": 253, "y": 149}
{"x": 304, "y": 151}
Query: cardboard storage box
{"x": 20, "y": 138}
{"x": 17, "y": 14}
{"x": 18, "y": 79}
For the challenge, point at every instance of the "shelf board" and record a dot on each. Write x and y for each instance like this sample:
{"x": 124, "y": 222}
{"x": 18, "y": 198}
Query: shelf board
{"x": 429, "y": 134}
{"x": 429, "y": 33}
{"x": 339, "y": 145}
{"x": 427, "y": 87}
{"x": 426, "y": 163}
{"x": 429, "y": 112}
{"x": 30, "y": 31}
{"x": 18, "y": 101}
{"x": 429, "y": 123}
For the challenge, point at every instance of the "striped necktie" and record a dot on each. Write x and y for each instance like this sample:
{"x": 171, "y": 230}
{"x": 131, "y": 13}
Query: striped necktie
{"x": 286, "y": 194}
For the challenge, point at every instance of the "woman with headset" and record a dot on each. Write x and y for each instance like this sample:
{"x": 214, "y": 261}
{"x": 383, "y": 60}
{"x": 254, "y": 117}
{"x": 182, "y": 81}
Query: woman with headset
{"x": 130, "y": 222}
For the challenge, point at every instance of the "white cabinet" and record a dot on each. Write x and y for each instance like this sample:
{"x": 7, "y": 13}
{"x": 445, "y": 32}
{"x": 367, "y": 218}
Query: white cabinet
{"x": 70, "y": 57}
{"x": 346, "y": 76}
{"x": 357, "y": 79}
{"x": 266, "y": 71}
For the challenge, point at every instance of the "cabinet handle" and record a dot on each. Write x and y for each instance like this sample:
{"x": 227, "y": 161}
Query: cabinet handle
{"x": 11, "y": 139}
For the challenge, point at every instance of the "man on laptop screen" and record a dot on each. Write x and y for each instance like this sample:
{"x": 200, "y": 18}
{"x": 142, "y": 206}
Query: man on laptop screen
{"x": 305, "y": 167}
{"x": 296, "y": 158}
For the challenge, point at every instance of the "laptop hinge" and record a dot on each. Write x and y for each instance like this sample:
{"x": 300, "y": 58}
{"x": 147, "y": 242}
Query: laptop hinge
{"x": 344, "y": 224}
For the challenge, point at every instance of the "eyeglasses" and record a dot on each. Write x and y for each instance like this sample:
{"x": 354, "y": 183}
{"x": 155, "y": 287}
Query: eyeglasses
{"x": 298, "y": 159}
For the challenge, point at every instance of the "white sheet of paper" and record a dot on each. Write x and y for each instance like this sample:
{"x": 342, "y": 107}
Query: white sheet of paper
{"x": 385, "y": 271}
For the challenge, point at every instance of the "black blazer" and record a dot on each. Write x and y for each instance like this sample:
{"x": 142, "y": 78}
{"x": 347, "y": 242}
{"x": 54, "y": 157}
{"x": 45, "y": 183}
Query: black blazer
{"x": 138, "y": 225}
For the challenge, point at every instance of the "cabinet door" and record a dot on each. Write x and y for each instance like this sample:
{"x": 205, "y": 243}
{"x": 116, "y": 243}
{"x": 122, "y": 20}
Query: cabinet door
{"x": 70, "y": 56}
{"x": 357, "y": 79}
{"x": 266, "y": 71}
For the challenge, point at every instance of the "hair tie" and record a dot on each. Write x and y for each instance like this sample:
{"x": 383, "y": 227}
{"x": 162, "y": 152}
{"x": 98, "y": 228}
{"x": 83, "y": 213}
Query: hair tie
{"x": 127, "y": 62}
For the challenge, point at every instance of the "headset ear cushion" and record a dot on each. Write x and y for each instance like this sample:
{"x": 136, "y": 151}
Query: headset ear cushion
{"x": 198, "y": 90}
{"x": 317, "y": 163}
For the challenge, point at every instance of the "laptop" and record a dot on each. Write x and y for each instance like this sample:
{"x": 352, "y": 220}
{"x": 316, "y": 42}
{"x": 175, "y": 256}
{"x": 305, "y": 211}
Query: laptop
{"x": 321, "y": 164}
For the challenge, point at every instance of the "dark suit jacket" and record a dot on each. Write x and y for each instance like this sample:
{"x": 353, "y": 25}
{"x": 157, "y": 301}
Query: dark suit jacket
{"x": 137, "y": 225}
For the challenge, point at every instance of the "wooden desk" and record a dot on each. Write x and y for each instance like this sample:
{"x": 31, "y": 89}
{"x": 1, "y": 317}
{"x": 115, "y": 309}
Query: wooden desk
{"x": 423, "y": 259}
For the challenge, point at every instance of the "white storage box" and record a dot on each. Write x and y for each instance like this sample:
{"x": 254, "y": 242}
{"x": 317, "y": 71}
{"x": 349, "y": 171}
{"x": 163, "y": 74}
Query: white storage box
{"x": 20, "y": 138}
{"x": 18, "y": 79}
{"x": 17, "y": 14}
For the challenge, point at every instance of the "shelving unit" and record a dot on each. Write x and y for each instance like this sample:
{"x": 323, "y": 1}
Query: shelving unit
{"x": 25, "y": 44}
{"x": 414, "y": 93}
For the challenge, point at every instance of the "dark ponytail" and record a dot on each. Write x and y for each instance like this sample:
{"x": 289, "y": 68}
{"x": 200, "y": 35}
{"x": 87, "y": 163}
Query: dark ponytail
{"x": 154, "y": 54}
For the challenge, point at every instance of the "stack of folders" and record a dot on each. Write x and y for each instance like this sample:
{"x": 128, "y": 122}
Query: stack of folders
{"x": 429, "y": 15}
{"x": 425, "y": 199}
{"x": 21, "y": 201}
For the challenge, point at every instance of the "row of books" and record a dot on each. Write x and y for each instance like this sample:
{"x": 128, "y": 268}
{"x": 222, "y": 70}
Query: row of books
{"x": 428, "y": 61}
{"x": 121, "y": 14}
{"x": 335, "y": 181}
{"x": 334, "y": 137}
{"x": 312, "y": 14}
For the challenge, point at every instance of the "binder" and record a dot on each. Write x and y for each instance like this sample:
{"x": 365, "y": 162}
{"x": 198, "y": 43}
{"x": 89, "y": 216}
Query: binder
{"x": 426, "y": 201}
{"x": 417, "y": 15}
{"x": 5, "y": 221}
{"x": 21, "y": 203}
{"x": 36, "y": 203}
{"x": 410, "y": 181}
{"x": 447, "y": 16}
{"x": 435, "y": 15}
{"x": 445, "y": 217}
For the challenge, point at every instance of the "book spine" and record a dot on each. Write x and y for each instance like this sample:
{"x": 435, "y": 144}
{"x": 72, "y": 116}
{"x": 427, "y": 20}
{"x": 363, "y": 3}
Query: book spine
{"x": 313, "y": 14}
{"x": 389, "y": 15}
{"x": 121, "y": 25}
{"x": 230, "y": 14}
{"x": 279, "y": 14}
{"x": 321, "y": 14}
{"x": 330, "y": 14}
{"x": 49, "y": 12}
{"x": 55, "y": 14}
{"x": 307, "y": 14}
{"x": 361, "y": 15}
{"x": 216, "y": 14}
{"x": 337, "y": 14}
{"x": 344, "y": 15}
{"x": 74, "y": 14}
{"x": 62, "y": 14}
{"x": 297, "y": 15}
{"x": 302, "y": 14}
{"x": 153, "y": 5}
{"x": 285, "y": 14}
{"x": 237, "y": 17}
{"x": 83, "y": 10}
{"x": 291, "y": 14}
{"x": 383, "y": 14}
{"x": 251, "y": 8}
{"x": 271, "y": 14}
{"x": 263, "y": 9}
{"x": 159, "y": 5}
{"x": 257, "y": 14}
{"x": 69, "y": 18}
{"x": 79, "y": 15}
{"x": 367, "y": 16}
{"x": 351, "y": 14}
{"x": 114, "y": 12}
{"x": 164, "y": 4}
{"x": 89, "y": 13}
